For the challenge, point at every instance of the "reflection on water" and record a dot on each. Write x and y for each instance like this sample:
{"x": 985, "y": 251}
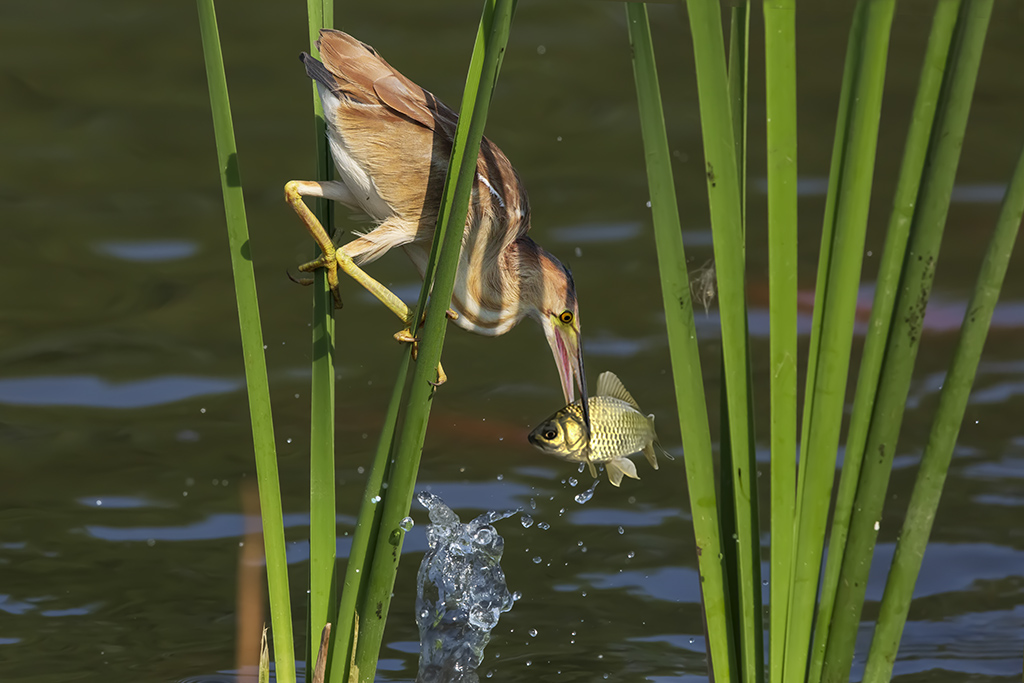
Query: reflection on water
{"x": 120, "y": 518}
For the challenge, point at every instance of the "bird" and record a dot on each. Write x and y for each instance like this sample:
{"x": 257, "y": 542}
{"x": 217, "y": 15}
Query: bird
{"x": 391, "y": 141}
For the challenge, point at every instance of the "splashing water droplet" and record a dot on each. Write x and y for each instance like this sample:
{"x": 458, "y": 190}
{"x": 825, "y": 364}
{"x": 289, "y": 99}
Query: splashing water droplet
{"x": 533, "y": 633}
{"x": 375, "y": 500}
{"x": 406, "y": 524}
{"x": 585, "y": 496}
{"x": 537, "y": 560}
{"x": 543, "y": 526}
{"x": 631, "y": 554}
{"x": 527, "y": 521}
{"x": 621, "y": 531}
{"x": 517, "y": 596}
{"x": 583, "y": 466}
{"x": 533, "y": 503}
{"x": 573, "y": 481}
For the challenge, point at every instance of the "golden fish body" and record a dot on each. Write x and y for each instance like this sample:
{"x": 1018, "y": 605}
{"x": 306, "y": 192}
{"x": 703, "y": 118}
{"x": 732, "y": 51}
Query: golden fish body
{"x": 617, "y": 430}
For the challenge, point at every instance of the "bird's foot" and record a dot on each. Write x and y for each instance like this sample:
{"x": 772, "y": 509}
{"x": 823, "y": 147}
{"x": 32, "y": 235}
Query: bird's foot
{"x": 328, "y": 261}
{"x": 406, "y": 337}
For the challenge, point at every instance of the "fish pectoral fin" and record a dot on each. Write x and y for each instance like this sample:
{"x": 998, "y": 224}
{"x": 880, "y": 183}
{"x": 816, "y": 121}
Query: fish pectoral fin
{"x": 619, "y": 467}
{"x": 593, "y": 469}
{"x": 610, "y": 385}
{"x": 650, "y": 455}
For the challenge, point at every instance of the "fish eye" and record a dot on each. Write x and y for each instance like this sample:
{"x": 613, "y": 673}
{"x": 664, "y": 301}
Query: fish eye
{"x": 566, "y": 317}
{"x": 549, "y": 434}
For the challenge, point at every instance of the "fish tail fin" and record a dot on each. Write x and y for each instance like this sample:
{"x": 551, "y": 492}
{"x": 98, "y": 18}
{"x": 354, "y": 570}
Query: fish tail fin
{"x": 619, "y": 467}
{"x": 649, "y": 448}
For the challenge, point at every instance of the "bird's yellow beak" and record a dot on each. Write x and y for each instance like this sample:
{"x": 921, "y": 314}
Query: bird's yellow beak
{"x": 568, "y": 352}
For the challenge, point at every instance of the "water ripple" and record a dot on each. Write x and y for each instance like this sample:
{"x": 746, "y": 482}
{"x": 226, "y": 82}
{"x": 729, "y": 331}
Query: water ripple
{"x": 147, "y": 251}
{"x": 90, "y": 391}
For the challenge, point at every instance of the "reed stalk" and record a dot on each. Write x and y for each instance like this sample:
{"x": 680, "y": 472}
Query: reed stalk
{"x": 322, "y": 505}
{"x": 396, "y": 499}
{"x": 887, "y": 284}
{"x": 838, "y": 280}
{"x": 257, "y": 385}
{"x": 684, "y": 355}
{"x": 931, "y": 477}
{"x": 780, "y": 109}
{"x": 905, "y": 334}
{"x": 367, "y": 528}
{"x": 725, "y": 200}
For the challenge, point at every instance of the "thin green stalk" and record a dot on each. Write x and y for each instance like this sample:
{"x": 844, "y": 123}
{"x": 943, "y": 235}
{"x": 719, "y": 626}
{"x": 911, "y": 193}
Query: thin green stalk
{"x": 367, "y": 528}
{"x": 851, "y": 66}
{"x": 727, "y": 229}
{"x": 905, "y": 335}
{"x": 252, "y": 346}
{"x": 322, "y": 504}
{"x": 739, "y": 61}
{"x": 780, "y": 109}
{"x": 739, "y": 26}
{"x": 904, "y": 204}
{"x": 397, "y": 499}
{"x": 856, "y": 142}
{"x": 682, "y": 335}
{"x": 956, "y": 390}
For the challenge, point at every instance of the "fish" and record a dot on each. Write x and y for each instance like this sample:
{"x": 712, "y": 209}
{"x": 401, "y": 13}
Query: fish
{"x": 618, "y": 429}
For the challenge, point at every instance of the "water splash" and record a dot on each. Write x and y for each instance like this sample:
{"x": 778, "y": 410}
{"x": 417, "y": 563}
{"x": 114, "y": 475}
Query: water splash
{"x": 460, "y": 592}
{"x": 585, "y": 496}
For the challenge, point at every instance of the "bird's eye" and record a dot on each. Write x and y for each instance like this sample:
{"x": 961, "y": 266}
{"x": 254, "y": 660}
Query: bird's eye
{"x": 566, "y": 317}
{"x": 550, "y": 434}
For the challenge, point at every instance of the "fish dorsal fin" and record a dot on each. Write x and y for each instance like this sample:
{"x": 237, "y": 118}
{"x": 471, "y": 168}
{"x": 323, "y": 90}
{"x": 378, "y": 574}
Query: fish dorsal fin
{"x": 609, "y": 385}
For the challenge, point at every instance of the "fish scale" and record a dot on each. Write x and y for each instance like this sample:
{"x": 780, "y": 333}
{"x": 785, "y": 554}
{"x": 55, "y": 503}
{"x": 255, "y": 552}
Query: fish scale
{"x": 617, "y": 430}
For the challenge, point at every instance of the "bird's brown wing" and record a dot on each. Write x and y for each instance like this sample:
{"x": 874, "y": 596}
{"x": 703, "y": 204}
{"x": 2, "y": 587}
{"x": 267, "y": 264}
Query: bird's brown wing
{"x": 372, "y": 80}
{"x": 359, "y": 72}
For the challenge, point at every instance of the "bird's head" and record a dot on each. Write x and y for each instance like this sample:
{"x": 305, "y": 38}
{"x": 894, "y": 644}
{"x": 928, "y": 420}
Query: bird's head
{"x": 560, "y": 317}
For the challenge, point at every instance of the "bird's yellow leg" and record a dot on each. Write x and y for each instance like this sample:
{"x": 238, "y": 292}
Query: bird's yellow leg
{"x": 333, "y": 258}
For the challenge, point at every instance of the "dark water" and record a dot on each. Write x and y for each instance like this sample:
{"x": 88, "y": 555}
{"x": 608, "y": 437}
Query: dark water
{"x": 124, "y": 433}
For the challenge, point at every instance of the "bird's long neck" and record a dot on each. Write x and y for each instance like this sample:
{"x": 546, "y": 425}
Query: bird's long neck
{"x": 492, "y": 294}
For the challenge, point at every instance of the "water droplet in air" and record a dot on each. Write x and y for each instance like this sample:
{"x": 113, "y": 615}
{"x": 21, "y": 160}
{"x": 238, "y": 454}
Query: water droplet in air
{"x": 406, "y": 524}
{"x": 500, "y": 477}
{"x": 527, "y": 521}
{"x": 583, "y": 466}
{"x": 621, "y": 531}
{"x": 375, "y": 500}
{"x": 529, "y": 663}
{"x": 533, "y": 503}
{"x": 543, "y": 526}
{"x": 533, "y": 633}
{"x": 537, "y": 560}
{"x": 631, "y": 554}
{"x": 517, "y": 596}
{"x": 573, "y": 481}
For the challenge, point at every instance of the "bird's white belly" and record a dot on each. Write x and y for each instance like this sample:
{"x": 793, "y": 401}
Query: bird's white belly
{"x": 358, "y": 181}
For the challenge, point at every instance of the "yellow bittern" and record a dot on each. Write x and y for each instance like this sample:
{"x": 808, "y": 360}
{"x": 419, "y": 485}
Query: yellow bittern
{"x": 391, "y": 141}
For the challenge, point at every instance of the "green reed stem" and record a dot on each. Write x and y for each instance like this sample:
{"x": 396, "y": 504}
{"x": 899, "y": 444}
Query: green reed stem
{"x": 322, "y": 504}
{"x": 397, "y": 498}
{"x": 905, "y": 335}
{"x": 904, "y": 204}
{"x": 780, "y": 108}
{"x": 931, "y": 476}
{"x": 682, "y": 336}
{"x": 841, "y": 257}
{"x": 257, "y": 385}
{"x": 367, "y": 529}
{"x": 725, "y": 201}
